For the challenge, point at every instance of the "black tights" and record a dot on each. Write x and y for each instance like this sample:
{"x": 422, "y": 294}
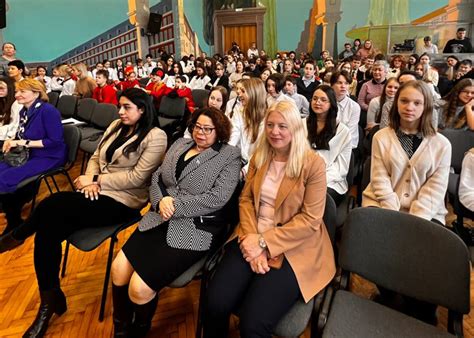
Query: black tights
{"x": 56, "y": 218}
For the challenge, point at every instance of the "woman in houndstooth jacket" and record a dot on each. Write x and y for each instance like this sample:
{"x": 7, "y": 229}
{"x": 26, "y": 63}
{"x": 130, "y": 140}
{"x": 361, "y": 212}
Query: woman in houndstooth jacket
{"x": 188, "y": 192}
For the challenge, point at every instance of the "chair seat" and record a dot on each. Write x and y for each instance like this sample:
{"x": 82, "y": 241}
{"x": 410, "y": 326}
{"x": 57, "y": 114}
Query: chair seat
{"x": 353, "y": 316}
{"x": 90, "y": 145}
{"x": 342, "y": 208}
{"x": 453, "y": 183}
{"x": 87, "y": 132}
{"x": 187, "y": 276}
{"x": 295, "y": 320}
{"x": 88, "y": 239}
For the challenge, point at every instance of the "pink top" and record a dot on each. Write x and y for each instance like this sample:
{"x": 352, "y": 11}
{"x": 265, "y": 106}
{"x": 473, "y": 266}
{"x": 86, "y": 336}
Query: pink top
{"x": 268, "y": 193}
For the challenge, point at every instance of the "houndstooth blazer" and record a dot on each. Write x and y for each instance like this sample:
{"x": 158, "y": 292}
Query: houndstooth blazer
{"x": 204, "y": 186}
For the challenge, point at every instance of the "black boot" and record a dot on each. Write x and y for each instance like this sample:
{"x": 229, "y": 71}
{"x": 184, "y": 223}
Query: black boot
{"x": 143, "y": 316}
{"x": 123, "y": 310}
{"x": 8, "y": 242}
{"x": 52, "y": 301}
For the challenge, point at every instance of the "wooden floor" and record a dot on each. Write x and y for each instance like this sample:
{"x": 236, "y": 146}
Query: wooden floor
{"x": 175, "y": 316}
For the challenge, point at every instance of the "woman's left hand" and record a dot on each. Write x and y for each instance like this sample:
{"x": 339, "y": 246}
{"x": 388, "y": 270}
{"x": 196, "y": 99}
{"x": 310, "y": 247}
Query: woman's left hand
{"x": 260, "y": 264}
{"x": 83, "y": 181}
{"x": 249, "y": 246}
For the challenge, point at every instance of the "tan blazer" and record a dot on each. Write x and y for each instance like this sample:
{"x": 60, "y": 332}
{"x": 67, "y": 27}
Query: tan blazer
{"x": 299, "y": 231}
{"x": 126, "y": 179}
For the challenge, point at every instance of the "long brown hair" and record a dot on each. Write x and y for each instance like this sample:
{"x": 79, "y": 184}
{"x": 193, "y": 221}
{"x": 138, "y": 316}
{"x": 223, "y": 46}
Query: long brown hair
{"x": 254, "y": 109}
{"x": 7, "y": 101}
{"x": 426, "y": 126}
{"x": 452, "y": 102}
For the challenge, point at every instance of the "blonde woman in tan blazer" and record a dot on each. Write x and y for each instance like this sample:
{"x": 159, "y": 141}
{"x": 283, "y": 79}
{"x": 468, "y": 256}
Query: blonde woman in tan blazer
{"x": 280, "y": 250}
{"x": 113, "y": 190}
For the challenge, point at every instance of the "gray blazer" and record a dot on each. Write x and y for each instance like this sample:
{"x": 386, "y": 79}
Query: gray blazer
{"x": 204, "y": 186}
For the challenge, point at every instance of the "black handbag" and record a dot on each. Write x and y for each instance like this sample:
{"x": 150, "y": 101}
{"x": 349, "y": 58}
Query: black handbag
{"x": 17, "y": 156}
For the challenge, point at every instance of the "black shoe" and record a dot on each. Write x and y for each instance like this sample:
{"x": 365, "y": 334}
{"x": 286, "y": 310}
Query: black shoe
{"x": 123, "y": 311}
{"x": 143, "y": 316}
{"x": 52, "y": 301}
{"x": 8, "y": 242}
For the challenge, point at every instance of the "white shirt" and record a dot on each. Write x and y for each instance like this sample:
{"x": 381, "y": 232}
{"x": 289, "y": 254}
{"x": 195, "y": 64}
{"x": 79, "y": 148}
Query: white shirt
{"x": 301, "y": 102}
{"x": 349, "y": 113}
{"x": 281, "y": 97}
{"x": 199, "y": 83}
{"x": 9, "y": 130}
{"x": 68, "y": 87}
{"x": 466, "y": 183}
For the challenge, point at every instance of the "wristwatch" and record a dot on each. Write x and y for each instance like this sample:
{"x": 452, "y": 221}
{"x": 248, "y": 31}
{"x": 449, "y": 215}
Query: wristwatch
{"x": 261, "y": 242}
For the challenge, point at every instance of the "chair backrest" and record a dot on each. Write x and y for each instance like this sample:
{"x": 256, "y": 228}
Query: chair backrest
{"x": 85, "y": 109}
{"x": 365, "y": 174}
{"x": 329, "y": 218}
{"x": 200, "y": 97}
{"x": 409, "y": 255}
{"x": 461, "y": 141}
{"x": 67, "y": 105}
{"x": 351, "y": 172}
{"x": 143, "y": 81}
{"x": 53, "y": 98}
{"x": 104, "y": 114}
{"x": 72, "y": 138}
{"x": 172, "y": 107}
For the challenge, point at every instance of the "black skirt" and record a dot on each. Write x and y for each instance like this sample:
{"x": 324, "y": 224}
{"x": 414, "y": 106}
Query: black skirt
{"x": 154, "y": 260}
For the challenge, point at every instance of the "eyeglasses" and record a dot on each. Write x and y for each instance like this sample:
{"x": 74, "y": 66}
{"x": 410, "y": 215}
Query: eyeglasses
{"x": 204, "y": 130}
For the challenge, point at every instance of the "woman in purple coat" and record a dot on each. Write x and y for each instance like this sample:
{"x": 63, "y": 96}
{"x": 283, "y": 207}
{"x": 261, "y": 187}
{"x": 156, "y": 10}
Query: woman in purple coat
{"x": 40, "y": 131}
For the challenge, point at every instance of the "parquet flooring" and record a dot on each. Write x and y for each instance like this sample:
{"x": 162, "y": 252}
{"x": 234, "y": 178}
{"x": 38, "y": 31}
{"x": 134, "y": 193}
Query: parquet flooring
{"x": 177, "y": 308}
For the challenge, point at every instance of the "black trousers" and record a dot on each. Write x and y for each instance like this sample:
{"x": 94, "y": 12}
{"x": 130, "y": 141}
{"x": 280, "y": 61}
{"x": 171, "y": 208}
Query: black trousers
{"x": 259, "y": 300}
{"x": 13, "y": 203}
{"x": 56, "y": 218}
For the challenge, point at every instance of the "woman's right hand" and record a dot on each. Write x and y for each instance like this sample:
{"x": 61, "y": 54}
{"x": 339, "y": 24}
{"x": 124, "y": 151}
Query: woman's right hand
{"x": 8, "y": 144}
{"x": 167, "y": 208}
{"x": 91, "y": 191}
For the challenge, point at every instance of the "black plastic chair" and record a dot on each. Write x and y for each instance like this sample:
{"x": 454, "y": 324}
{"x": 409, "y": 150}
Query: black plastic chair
{"x": 53, "y": 98}
{"x": 461, "y": 141}
{"x": 143, "y": 81}
{"x": 67, "y": 106}
{"x": 200, "y": 97}
{"x": 90, "y": 238}
{"x": 295, "y": 321}
{"x": 72, "y": 137}
{"x": 171, "y": 111}
{"x": 405, "y": 254}
{"x": 85, "y": 109}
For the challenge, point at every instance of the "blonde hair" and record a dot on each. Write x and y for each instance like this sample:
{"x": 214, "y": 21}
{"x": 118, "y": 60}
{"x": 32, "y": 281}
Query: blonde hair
{"x": 81, "y": 67}
{"x": 254, "y": 109}
{"x": 299, "y": 142}
{"x": 65, "y": 71}
{"x": 35, "y": 86}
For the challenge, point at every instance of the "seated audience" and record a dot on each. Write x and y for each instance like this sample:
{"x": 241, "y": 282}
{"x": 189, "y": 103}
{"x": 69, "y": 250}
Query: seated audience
{"x": 413, "y": 59}
{"x": 461, "y": 44}
{"x": 409, "y": 173}
{"x": 427, "y": 47}
{"x": 466, "y": 182}
{"x": 69, "y": 83}
{"x": 280, "y": 251}
{"x": 188, "y": 192}
{"x": 175, "y": 72}
{"x": 130, "y": 82}
{"x": 104, "y": 92}
{"x": 149, "y": 64}
{"x": 119, "y": 70}
{"x": 331, "y": 139}
{"x": 237, "y": 75}
{"x": 41, "y": 133}
{"x": 140, "y": 69}
{"x": 430, "y": 74}
{"x": 113, "y": 190}
{"x": 56, "y": 80}
{"x": 366, "y": 50}
{"x": 247, "y": 122}
{"x": 85, "y": 84}
{"x": 200, "y": 80}
{"x": 16, "y": 70}
{"x": 308, "y": 83}
{"x": 156, "y": 87}
{"x": 274, "y": 85}
{"x": 42, "y": 77}
{"x": 397, "y": 64}
{"x": 379, "y": 107}
{"x": 265, "y": 74}
{"x": 348, "y": 111}
{"x": 457, "y": 106}
{"x": 290, "y": 91}
{"x": 220, "y": 79}
{"x": 9, "y": 110}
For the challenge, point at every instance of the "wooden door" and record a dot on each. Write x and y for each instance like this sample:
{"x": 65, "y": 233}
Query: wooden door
{"x": 244, "y": 35}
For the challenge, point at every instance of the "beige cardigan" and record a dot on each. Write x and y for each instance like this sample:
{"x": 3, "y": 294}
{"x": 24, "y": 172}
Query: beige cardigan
{"x": 126, "y": 180}
{"x": 417, "y": 185}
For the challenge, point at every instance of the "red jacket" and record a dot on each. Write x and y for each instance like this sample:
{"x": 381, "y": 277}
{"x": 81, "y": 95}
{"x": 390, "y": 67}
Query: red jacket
{"x": 105, "y": 94}
{"x": 129, "y": 84}
{"x": 157, "y": 91}
{"x": 188, "y": 96}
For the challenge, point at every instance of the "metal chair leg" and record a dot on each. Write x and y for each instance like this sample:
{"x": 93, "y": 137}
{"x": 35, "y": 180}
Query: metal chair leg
{"x": 107, "y": 277}
{"x": 66, "y": 254}
{"x": 202, "y": 292}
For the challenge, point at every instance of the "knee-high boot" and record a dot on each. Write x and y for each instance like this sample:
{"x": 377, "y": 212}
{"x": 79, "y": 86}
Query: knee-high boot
{"x": 52, "y": 301}
{"x": 123, "y": 310}
{"x": 143, "y": 316}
